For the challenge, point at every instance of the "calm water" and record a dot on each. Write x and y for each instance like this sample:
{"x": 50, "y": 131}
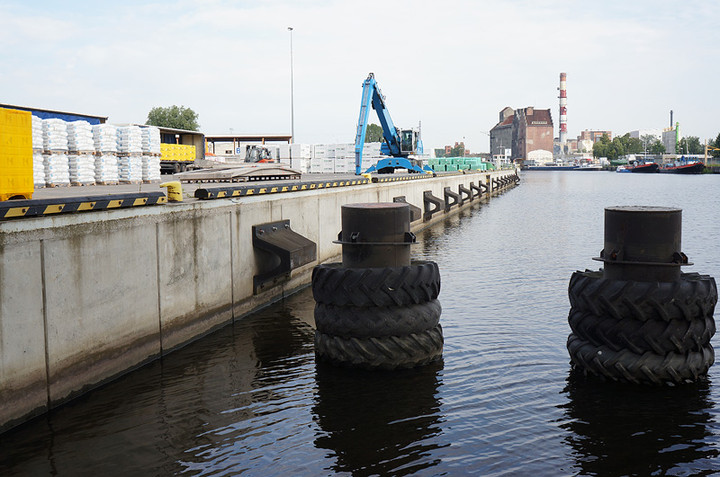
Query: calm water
{"x": 250, "y": 398}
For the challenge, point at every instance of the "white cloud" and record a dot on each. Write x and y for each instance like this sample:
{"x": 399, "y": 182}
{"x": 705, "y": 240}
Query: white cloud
{"x": 452, "y": 65}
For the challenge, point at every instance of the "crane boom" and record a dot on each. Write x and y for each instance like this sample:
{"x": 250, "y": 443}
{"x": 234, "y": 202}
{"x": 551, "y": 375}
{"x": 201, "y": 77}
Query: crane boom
{"x": 397, "y": 143}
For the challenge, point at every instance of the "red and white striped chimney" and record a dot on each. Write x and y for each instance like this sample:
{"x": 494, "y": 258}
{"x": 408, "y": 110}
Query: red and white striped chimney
{"x": 563, "y": 109}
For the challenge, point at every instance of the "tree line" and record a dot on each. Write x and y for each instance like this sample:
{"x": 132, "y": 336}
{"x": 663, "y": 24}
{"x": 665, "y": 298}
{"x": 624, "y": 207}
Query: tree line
{"x": 622, "y": 145}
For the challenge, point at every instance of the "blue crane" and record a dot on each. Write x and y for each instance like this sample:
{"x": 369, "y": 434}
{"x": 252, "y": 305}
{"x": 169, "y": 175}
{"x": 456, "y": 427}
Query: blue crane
{"x": 398, "y": 143}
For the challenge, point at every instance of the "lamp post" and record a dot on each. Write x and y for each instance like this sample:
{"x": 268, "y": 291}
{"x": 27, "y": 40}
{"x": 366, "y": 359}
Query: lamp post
{"x": 292, "y": 93}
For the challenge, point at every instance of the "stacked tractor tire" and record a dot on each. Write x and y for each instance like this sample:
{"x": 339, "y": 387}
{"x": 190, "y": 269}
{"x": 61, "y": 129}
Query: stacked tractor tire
{"x": 639, "y": 319}
{"x": 377, "y": 309}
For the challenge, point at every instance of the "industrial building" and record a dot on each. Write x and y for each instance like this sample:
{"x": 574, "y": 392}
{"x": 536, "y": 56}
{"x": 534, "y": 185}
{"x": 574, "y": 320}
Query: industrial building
{"x": 670, "y": 138}
{"x": 527, "y": 132}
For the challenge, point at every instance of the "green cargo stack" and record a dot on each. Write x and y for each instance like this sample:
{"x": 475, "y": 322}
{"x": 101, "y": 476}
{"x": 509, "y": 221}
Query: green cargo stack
{"x": 436, "y": 164}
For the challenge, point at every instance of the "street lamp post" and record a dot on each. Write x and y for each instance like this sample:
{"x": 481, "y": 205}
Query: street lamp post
{"x": 292, "y": 92}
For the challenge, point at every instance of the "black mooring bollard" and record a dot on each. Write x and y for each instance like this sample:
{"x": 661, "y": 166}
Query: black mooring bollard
{"x": 378, "y": 308}
{"x": 376, "y": 235}
{"x": 643, "y": 243}
{"x": 640, "y": 319}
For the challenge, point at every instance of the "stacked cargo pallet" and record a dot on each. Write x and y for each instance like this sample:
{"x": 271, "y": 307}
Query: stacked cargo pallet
{"x": 37, "y": 148}
{"x": 130, "y": 154}
{"x": 297, "y": 156}
{"x": 16, "y": 154}
{"x": 81, "y": 159}
{"x": 177, "y": 152}
{"x": 55, "y": 155}
{"x": 150, "y": 154}
{"x": 106, "y": 161}
{"x": 340, "y": 158}
{"x": 445, "y": 164}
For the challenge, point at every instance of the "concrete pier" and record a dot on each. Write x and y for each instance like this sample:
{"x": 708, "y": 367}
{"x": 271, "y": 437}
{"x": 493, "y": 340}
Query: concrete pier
{"x": 87, "y": 297}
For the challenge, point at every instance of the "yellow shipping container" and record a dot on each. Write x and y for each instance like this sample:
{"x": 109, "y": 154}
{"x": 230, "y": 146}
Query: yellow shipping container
{"x": 16, "y": 158}
{"x": 177, "y": 152}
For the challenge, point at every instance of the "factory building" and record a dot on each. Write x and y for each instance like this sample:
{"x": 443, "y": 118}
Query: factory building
{"x": 501, "y": 135}
{"x": 523, "y": 131}
{"x": 593, "y": 136}
{"x": 670, "y": 138}
{"x": 640, "y": 133}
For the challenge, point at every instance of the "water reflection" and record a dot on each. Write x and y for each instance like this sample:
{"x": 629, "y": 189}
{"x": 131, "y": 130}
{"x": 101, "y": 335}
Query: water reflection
{"x": 378, "y": 423}
{"x": 620, "y": 429}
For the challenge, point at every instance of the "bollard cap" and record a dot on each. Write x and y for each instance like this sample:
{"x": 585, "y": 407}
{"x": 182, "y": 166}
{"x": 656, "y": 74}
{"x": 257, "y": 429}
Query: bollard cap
{"x": 639, "y": 239}
{"x": 376, "y": 234}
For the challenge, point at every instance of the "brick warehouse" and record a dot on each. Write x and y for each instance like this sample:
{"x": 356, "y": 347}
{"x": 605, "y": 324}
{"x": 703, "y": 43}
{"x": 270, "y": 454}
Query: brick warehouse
{"x": 527, "y": 129}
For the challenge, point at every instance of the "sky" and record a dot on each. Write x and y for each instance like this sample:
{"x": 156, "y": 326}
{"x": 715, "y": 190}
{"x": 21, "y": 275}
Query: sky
{"x": 450, "y": 66}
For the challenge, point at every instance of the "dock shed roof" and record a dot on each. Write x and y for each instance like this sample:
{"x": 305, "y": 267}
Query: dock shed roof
{"x": 64, "y": 115}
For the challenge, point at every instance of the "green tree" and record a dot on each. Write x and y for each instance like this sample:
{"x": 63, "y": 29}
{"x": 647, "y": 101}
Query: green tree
{"x": 439, "y": 152}
{"x": 374, "y": 133}
{"x": 601, "y": 147}
{"x": 178, "y": 117}
{"x": 458, "y": 150}
{"x": 634, "y": 146}
{"x": 715, "y": 143}
{"x": 618, "y": 148}
{"x": 690, "y": 145}
{"x": 647, "y": 141}
{"x": 656, "y": 147}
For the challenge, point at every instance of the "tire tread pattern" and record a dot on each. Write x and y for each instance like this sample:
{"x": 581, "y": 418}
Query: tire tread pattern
{"x": 367, "y": 322}
{"x": 390, "y": 352}
{"x": 333, "y": 284}
{"x": 646, "y": 368}
{"x": 657, "y": 336}
{"x": 693, "y": 296}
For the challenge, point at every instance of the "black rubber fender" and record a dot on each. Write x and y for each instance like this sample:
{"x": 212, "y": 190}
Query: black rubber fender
{"x": 646, "y": 368}
{"x": 366, "y": 322}
{"x": 691, "y": 297}
{"x": 388, "y": 353}
{"x": 657, "y": 336}
{"x": 333, "y": 284}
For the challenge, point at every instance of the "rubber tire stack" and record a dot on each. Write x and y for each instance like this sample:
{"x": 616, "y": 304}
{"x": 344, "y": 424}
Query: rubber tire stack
{"x": 377, "y": 318}
{"x": 642, "y": 332}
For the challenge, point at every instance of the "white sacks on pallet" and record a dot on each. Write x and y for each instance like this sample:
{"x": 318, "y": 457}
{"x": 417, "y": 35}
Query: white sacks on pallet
{"x": 130, "y": 168}
{"x": 151, "y": 140}
{"x": 82, "y": 168}
{"x": 80, "y": 136}
{"x": 150, "y": 168}
{"x": 106, "y": 168}
{"x": 38, "y": 168}
{"x": 54, "y": 135}
{"x": 57, "y": 170}
{"x": 105, "y": 137}
{"x": 129, "y": 139}
{"x": 37, "y": 133}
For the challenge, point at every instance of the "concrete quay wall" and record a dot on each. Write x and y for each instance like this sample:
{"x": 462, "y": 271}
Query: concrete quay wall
{"x": 85, "y": 298}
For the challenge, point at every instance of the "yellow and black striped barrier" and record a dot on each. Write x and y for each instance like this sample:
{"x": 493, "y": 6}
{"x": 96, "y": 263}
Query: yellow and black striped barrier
{"x": 247, "y": 190}
{"x": 397, "y": 178}
{"x": 65, "y": 205}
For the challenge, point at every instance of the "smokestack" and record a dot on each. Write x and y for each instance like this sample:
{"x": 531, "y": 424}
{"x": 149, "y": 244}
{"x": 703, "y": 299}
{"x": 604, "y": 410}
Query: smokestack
{"x": 671, "y": 124}
{"x": 563, "y": 110}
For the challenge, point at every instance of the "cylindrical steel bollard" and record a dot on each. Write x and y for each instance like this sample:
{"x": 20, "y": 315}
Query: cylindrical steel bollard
{"x": 376, "y": 235}
{"x": 643, "y": 244}
{"x": 377, "y": 309}
{"x": 639, "y": 319}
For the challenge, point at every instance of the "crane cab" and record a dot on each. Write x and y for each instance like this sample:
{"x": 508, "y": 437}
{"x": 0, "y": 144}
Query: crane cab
{"x": 409, "y": 141}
